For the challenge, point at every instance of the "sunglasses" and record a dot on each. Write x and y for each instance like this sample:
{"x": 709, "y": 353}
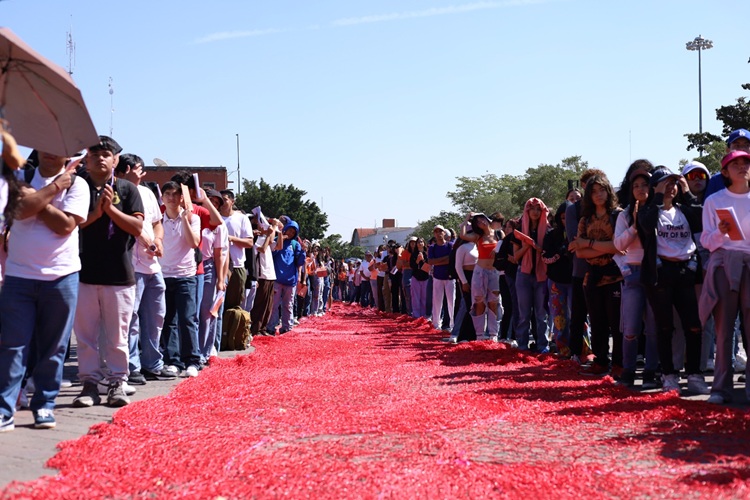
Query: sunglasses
{"x": 696, "y": 175}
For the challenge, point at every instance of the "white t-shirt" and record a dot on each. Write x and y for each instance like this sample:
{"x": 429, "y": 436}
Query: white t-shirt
{"x": 179, "y": 257}
{"x": 238, "y": 225}
{"x": 711, "y": 237}
{"x": 466, "y": 255}
{"x": 365, "y": 268}
{"x": 266, "y": 269}
{"x": 35, "y": 251}
{"x": 143, "y": 261}
{"x": 218, "y": 238}
{"x": 673, "y": 237}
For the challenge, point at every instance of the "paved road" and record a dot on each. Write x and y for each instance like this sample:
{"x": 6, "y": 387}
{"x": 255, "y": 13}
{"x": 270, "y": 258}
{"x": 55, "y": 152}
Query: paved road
{"x": 25, "y": 450}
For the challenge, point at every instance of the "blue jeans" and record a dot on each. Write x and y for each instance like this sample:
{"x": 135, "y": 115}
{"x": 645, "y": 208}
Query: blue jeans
{"x": 365, "y": 293}
{"x": 41, "y": 312}
{"x": 634, "y": 308}
{"x": 326, "y": 292}
{"x": 180, "y": 334}
{"x": 147, "y": 322}
{"x": 206, "y": 322}
{"x": 419, "y": 299}
{"x": 406, "y": 285}
{"x": 531, "y": 294}
{"x": 316, "y": 291}
{"x": 283, "y": 302}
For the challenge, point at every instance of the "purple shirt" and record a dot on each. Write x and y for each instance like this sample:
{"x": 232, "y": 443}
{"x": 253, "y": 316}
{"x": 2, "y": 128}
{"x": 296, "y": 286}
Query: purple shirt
{"x": 436, "y": 251}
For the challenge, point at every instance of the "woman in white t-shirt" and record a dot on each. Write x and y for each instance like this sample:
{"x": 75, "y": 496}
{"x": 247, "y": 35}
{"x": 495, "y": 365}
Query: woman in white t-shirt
{"x": 670, "y": 271}
{"x": 726, "y": 290}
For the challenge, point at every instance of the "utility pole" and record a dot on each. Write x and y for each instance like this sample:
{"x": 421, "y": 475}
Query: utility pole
{"x": 111, "y": 107}
{"x": 238, "y": 164}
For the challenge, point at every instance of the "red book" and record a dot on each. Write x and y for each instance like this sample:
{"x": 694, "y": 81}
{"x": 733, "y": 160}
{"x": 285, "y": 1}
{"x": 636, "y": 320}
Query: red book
{"x": 728, "y": 215}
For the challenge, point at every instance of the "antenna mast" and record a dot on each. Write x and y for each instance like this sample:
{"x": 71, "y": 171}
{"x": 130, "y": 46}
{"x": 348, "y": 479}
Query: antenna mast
{"x": 70, "y": 49}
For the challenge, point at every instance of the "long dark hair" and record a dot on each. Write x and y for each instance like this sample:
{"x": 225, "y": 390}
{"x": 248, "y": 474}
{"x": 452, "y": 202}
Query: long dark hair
{"x": 587, "y": 205}
{"x": 625, "y": 193}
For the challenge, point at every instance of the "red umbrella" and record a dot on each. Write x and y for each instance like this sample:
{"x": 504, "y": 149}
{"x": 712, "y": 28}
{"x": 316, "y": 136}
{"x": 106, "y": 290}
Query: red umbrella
{"x": 38, "y": 98}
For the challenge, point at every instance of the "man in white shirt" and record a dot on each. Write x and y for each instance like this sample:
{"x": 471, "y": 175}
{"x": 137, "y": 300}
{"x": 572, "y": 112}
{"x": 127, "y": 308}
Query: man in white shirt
{"x": 40, "y": 293}
{"x": 181, "y": 237}
{"x": 149, "y": 306}
{"x": 265, "y": 243}
{"x": 240, "y": 237}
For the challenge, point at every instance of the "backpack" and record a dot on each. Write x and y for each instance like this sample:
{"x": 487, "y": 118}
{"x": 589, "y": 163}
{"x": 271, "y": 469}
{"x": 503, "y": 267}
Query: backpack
{"x": 235, "y": 335}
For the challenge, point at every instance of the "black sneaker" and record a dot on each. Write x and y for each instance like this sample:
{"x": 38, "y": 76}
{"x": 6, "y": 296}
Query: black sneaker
{"x": 136, "y": 378}
{"x": 88, "y": 397}
{"x": 627, "y": 379}
{"x": 7, "y": 424}
{"x": 157, "y": 375}
{"x": 650, "y": 380}
{"x": 44, "y": 419}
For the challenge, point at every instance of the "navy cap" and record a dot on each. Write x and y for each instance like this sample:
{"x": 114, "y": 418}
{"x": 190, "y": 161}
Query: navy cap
{"x": 736, "y": 134}
{"x": 662, "y": 174}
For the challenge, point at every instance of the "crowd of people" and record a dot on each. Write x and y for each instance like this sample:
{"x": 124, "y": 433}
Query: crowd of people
{"x": 143, "y": 275}
{"x": 653, "y": 273}
{"x": 154, "y": 279}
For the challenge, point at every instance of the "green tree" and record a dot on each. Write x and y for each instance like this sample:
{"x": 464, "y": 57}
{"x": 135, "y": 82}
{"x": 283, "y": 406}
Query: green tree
{"x": 449, "y": 220}
{"x": 732, "y": 117}
{"x": 489, "y": 193}
{"x": 282, "y": 199}
{"x": 341, "y": 249}
{"x": 714, "y": 152}
{"x": 548, "y": 182}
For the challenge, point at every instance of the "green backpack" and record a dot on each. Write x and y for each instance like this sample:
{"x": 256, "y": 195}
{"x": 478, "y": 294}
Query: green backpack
{"x": 235, "y": 334}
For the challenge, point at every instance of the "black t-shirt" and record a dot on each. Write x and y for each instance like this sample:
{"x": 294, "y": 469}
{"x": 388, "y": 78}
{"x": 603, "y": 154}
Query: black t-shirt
{"x": 106, "y": 250}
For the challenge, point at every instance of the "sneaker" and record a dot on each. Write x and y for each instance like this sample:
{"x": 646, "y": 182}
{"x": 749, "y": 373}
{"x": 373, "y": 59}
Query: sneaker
{"x": 137, "y": 378}
{"x": 697, "y": 384}
{"x": 627, "y": 378}
{"x": 716, "y": 399}
{"x": 710, "y": 365}
{"x": 104, "y": 386}
{"x": 160, "y": 374}
{"x": 493, "y": 338}
{"x": 44, "y": 419}
{"x": 116, "y": 396}
{"x": 741, "y": 378}
{"x": 450, "y": 340}
{"x": 65, "y": 383}
{"x": 88, "y": 397}
{"x": 739, "y": 363}
{"x": 670, "y": 383}
{"x": 595, "y": 370}
{"x": 191, "y": 371}
{"x": 7, "y": 424}
{"x": 617, "y": 371}
{"x": 649, "y": 380}
{"x": 171, "y": 370}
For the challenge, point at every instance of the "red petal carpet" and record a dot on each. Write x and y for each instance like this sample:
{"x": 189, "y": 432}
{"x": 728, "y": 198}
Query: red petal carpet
{"x": 362, "y": 405}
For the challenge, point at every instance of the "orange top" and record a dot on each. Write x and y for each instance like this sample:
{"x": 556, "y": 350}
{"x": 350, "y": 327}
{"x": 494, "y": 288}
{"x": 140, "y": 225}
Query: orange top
{"x": 485, "y": 249}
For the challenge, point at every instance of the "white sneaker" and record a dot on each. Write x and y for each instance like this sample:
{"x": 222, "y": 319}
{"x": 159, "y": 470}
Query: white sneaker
{"x": 697, "y": 384}
{"x": 66, "y": 383}
{"x": 493, "y": 338}
{"x": 213, "y": 352}
{"x": 191, "y": 371}
{"x": 670, "y": 383}
{"x": 740, "y": 362}
{"x": 172, "y": 370}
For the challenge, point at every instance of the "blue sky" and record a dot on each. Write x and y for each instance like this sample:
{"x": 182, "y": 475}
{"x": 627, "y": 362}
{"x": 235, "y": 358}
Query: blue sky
{"x": 374, "y": 107}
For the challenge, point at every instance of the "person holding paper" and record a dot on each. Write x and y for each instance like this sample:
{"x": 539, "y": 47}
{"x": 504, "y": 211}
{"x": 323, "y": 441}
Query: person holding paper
{"x": 39, "y": 297}
{"x": 531, "y": 279}
{"x": 265, "y": 243}
{"x": 726, "y": 290}
{"x": 181, "y": 237}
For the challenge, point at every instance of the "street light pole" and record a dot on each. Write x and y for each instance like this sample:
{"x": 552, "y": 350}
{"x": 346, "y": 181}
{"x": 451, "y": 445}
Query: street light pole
{"x": 238, "y": 164}
{"x": 699, "y": 44}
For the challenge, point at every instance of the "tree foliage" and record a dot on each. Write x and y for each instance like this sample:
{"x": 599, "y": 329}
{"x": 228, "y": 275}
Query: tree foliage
{"x": 341, "y": 249}
{"x": 282, "y": 199}
{"x": 508, "y": 193}
{"x": 449, "y": 220}
{"x": 732, "y": 117}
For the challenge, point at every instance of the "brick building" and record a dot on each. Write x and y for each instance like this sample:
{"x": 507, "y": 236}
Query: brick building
{"x": 209, "y": 177}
